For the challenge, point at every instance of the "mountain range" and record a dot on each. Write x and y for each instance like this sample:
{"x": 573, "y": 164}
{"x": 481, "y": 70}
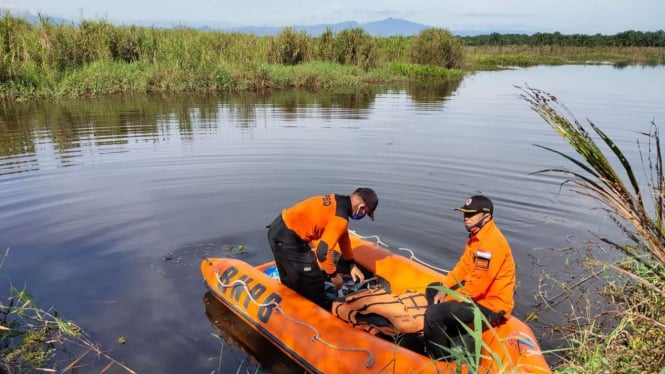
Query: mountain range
{"x": 386, "y": 27}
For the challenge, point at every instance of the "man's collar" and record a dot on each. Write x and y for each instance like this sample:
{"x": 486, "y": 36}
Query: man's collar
{"x": 477, "y": 236}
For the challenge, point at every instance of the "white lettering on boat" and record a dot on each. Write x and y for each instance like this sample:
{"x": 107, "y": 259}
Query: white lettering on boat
{"x": 233, "y": 286}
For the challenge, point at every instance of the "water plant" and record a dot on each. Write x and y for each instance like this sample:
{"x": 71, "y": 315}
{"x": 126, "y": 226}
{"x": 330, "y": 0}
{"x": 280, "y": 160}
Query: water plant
{"x": 635, "y": 343}
{"x": 32, "y": 338}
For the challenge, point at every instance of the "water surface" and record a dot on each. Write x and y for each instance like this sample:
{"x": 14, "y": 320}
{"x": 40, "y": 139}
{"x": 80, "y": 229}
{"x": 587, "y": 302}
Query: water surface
{"x": 108, "y": 205}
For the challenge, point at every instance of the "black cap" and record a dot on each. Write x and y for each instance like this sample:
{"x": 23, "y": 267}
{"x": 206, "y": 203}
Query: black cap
{"x": 369, "y": 197}
{"x": 476, "y": 204}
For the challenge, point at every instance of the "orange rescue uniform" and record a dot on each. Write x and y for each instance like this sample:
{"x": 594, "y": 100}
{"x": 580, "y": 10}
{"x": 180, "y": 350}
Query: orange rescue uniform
{"x": 486, "y": 271}
{"x": 324, "y": 218}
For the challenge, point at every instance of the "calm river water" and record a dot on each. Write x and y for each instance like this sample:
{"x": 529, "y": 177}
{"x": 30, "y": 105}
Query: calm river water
{"x": 109, "y": 205}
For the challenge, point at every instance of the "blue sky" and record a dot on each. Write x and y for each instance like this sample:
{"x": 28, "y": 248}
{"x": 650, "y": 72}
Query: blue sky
{"x": 566, "y": 16}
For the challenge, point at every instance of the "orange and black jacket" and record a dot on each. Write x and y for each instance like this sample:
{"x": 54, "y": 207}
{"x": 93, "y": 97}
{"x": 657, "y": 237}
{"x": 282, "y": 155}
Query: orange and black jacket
{"x": 324, "y": 218}
{"x": 486, "y": 271}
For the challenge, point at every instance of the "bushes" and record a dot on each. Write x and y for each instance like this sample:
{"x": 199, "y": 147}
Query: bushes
{"x": 92, "y": 58}
{"x": 290, "y": 47}
{"x": 437, "y": 47}
{"x": 349, "y": 47}
{"x": 17, "y": 42}
{"x": 356, "y": 47}
{"x": 128, "y": 44}
{"x": 66, "y": 47}
{"x": 325, "y": 46}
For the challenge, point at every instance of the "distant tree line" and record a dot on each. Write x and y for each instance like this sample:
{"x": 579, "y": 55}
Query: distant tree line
{"x": 628, "y": 38}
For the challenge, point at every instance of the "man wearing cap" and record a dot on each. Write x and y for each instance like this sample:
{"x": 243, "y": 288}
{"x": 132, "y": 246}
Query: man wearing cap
{"x": 485, "y": 274}
{"x": 324, "y": 218}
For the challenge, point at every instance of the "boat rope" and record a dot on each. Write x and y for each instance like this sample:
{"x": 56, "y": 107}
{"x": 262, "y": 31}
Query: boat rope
{"x": 412, "y": 256}
{"x": 375, "y": 237}
{"x": 317, "y": 335}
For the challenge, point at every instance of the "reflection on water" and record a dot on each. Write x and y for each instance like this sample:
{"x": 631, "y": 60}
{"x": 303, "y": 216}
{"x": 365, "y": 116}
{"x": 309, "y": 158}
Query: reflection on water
{"x": 431, "y": 95}
{"x": 39, "y": 134}
{"x": 232, "y": 329}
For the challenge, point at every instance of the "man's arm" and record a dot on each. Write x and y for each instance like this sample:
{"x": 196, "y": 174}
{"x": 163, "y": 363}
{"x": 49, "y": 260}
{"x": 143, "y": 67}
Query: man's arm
{"x": 336, "y": 228}
{"x": 459, "y": 272}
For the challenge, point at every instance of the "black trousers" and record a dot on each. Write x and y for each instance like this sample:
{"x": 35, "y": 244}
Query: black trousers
{"x": 296, "y": 263}
{"x": 441, "y": 322}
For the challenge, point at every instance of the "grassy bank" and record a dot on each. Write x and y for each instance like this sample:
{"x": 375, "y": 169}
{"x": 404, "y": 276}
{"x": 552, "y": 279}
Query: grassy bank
{"x": 493, "y": 57}
{"x": 98, "y": 58}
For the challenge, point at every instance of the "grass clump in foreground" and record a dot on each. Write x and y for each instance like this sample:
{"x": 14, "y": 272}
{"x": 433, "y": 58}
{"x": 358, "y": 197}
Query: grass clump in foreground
{"x": 31, "y": 339}
{"x": 473, "y": 354}
{"x": 635, "y": 293}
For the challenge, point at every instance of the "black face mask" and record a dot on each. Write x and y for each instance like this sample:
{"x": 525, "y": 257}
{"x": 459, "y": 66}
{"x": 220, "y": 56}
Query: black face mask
{"x": 473, "y": 229}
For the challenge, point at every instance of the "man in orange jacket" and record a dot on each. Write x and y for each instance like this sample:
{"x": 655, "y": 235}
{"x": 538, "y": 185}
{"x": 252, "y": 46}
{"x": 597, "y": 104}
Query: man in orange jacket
{"x": 324, "y": 218}
{"x": 485, "y": 274}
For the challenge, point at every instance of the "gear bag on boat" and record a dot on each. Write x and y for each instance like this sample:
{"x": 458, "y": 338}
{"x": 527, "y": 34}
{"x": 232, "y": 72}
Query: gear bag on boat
{"x": 377, "y": 311}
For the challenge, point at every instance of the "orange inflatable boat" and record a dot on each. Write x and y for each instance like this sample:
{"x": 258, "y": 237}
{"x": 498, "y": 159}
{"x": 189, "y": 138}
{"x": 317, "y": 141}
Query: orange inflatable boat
{"x": 320, "y": 342}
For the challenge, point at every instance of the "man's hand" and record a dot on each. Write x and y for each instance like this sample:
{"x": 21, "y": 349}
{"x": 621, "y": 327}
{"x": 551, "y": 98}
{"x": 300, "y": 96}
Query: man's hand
{"x": 357, "y": 274}
{"x": 439, "y": 298}
{"x": 337, "y": 281}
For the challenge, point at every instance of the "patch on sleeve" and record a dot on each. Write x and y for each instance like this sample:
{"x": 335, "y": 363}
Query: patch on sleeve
{"x": 481, "y": 260}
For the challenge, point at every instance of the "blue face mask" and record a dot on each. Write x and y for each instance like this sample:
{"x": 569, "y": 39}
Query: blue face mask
{"x": 357, "y": 215}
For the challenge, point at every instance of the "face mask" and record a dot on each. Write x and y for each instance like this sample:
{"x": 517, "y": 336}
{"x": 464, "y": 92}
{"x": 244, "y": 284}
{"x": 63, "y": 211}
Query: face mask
{"x": 356, "y": 215}
{"x": 475, "y": 228}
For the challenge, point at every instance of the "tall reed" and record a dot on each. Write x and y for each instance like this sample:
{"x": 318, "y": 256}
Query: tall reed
{"x": 96, "y": 57}
{"x": 638, "y": 211}
{"x": 623, "y": 198}
{"x": 44, "y": 59}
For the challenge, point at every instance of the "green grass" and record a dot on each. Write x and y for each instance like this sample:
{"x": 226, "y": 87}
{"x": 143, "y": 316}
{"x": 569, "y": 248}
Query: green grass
{"x": 425, "y": 71}
{"x": 497, "y": 61}
{"x": 494, "y": 57}
{"x": 97, "y": 58}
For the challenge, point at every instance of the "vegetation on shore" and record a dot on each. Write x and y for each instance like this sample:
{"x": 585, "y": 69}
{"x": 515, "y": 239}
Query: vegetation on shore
{"x": 628, "y": 38}
{"x": 98, "y": 58}
{"x": 629, "y": 336}
{"x": 32, "y": 339}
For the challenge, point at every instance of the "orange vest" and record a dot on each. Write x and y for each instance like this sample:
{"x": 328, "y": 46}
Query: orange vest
{"x": 322, "y": 217}
{"x": 377, "y": 311}
{"x": 487, "y": 269}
